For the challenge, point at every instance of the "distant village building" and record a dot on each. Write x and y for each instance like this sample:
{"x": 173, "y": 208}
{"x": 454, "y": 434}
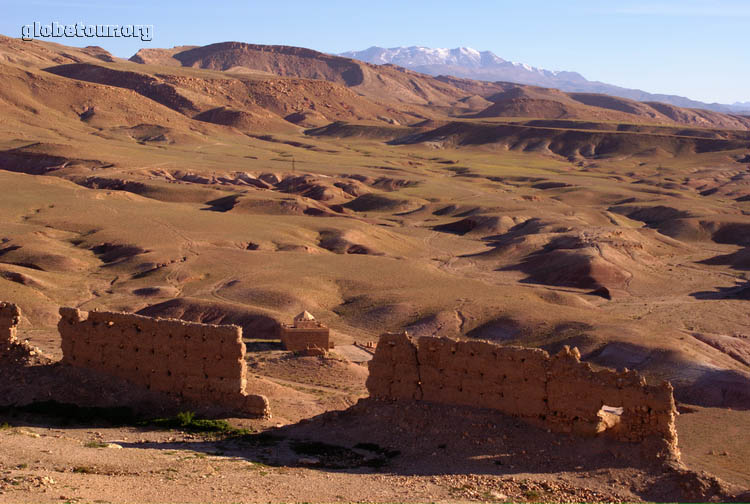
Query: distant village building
{"x": 305, "y": 333}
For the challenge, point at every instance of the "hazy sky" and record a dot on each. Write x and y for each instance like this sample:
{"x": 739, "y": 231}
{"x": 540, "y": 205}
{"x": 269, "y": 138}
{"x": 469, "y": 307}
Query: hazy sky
{"x": 694, "y": 48}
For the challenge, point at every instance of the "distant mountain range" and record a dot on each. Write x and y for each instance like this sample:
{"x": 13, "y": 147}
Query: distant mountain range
{"x": 469, "y": 63}
{"x": 393, "y": 94}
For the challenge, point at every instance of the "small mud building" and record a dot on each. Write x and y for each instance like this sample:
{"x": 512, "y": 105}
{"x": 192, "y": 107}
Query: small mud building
{"x": 305, "y": 333}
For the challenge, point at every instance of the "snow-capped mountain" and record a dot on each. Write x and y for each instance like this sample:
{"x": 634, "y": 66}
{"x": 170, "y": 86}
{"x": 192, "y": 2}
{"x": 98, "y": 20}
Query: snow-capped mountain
{"x": 463, "y": 62}
{"x": 484, "y": 65}
{"x": 419, "y": 56}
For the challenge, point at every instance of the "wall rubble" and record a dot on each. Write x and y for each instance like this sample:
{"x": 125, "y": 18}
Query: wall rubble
{"x": 557, "y": 392}
{"x": 200, "y": 363}
{"x": 11, "y": 348}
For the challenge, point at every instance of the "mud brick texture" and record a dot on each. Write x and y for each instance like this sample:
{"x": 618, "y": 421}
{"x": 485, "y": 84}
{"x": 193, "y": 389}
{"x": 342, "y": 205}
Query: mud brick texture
{"x": 299, "y": 339}
{"x": 558, "y": 392}
{"x": 200, "y": 363}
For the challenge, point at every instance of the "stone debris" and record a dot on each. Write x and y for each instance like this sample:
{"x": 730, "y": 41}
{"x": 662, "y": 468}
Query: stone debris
{"x": 24, "y": 483}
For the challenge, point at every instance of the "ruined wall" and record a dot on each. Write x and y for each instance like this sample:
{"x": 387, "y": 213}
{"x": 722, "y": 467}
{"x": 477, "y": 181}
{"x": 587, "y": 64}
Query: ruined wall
{"x": 297, "y": 339}
{"x": 198, "y": 362}
{"x": 10, "y": 316}
{"x": 558, "y": 392}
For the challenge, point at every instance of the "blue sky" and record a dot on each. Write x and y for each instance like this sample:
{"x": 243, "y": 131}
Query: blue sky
{"x": 693, "y": 48}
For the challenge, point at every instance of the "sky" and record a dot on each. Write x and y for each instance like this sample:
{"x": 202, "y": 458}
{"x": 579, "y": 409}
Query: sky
{"x": 693, "y": 48}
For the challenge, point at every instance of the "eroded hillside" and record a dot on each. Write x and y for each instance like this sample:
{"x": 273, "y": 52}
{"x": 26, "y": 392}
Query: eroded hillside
{"x": 243, "y": 184}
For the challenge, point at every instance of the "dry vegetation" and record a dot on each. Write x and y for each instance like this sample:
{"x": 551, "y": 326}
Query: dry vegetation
{"x": 241, "y": 184}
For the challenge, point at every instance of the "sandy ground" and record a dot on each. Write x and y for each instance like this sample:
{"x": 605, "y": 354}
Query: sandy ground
{"x": 433, "y": 454}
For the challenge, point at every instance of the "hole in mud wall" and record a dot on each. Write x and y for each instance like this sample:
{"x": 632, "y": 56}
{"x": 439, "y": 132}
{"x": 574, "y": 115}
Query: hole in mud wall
{"x": 609, "y": 418}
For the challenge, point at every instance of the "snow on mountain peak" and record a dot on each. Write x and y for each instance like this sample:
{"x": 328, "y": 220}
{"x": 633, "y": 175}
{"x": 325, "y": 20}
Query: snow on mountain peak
{"x": 466, "y": 62}
{"x": 415, "y": 57}
{"x": 463, "y": 62}
{"x": 419, "y": 55}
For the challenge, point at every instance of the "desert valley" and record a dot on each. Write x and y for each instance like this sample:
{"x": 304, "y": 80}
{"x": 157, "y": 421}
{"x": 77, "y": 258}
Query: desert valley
{"x": 571, "y": 270}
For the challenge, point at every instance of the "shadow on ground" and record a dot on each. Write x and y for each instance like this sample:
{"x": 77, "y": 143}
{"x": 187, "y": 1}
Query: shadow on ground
{"x": 736, "y": 292}
{"x": 424, "y": 439}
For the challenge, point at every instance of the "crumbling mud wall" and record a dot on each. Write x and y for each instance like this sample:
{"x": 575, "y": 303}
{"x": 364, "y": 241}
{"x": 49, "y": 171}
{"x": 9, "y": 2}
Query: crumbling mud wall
{"x": 203, "y": 364}
{"x": 557, "y": 392}
{"x": 10, "y": 316}
{"x": 12, "y": 350}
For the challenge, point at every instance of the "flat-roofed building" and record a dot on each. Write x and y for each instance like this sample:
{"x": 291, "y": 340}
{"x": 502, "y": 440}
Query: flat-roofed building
{"x": 304, "y": 333}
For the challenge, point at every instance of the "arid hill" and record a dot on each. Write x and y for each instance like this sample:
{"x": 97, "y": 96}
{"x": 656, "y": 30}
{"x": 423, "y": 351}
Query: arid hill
{"x": 244, "y": 184}
{"x": 517, "y": 100}
{"x": 573, "y": 141}
{"x": 392, "y": 83}
{"x": 403, "y": 89}
{"x": 387, "y": 83}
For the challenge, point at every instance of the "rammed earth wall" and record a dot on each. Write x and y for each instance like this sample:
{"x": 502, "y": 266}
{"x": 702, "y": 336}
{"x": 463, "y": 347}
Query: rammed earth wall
{"x": 557, "y": 392}
{"x": 198, "y": 362}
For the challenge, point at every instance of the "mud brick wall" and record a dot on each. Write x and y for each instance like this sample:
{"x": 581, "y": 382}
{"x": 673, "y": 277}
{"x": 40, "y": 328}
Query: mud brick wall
{"x": 203, "y": 364}
{"x": 558, "y": 392}
{"x": 297, "y": 339}
{"x": 394, "y": 370}
{"x": 10, "y": 316}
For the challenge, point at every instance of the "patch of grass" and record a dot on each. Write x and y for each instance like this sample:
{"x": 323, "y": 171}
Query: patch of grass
{"x": 22, "y": 466}
{"x": 187, "y": 421}
{"x": 215, "y": 429}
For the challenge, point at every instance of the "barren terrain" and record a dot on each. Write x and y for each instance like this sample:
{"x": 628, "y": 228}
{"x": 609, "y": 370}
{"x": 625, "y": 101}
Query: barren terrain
{"x": 243, "y": 184}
